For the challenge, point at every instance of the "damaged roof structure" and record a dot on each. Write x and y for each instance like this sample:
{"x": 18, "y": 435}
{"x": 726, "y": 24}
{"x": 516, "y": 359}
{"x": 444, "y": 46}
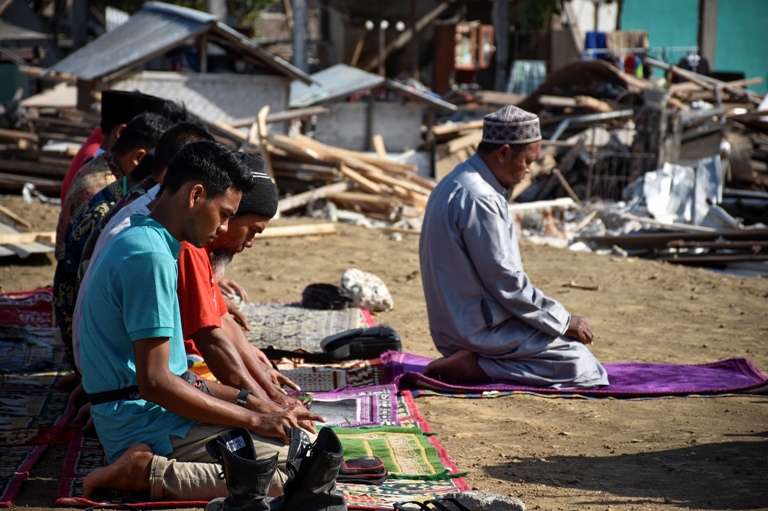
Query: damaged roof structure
{"x": 363, "y": 104}
{"x": 163, "y": 38}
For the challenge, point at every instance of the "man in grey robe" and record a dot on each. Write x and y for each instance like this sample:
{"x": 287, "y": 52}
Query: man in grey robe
{"x": 486, "y": 318}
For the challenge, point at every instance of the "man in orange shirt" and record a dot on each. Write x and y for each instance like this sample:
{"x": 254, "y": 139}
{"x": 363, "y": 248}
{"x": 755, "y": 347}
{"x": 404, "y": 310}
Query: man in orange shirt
{"x": 210, "y": 333}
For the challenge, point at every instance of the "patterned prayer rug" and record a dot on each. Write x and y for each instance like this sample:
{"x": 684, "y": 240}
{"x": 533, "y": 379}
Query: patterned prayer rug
{"x": 27, "y": 308}
{"x": 627, "y": 380}
{"x": 15, "y": 463}
{"x": 85, "y": 454}
{"x": 25, "y": 350}
{"x": 324, "y": 377}
{"x": 370, "y": 406}
{"x": 288, "y": 326}
{"x": 328, "y": 377}
{"x": 33, "y": 415}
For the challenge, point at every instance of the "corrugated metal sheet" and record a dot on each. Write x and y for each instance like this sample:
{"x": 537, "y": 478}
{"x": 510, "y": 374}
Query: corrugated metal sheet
{"x": 152, "y": 31}
{"x": 341, "y": 81}
{"x": 335, "y": 82}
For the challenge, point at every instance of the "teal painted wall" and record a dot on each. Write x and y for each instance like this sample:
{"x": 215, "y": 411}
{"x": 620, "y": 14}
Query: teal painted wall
{"x": 741, "y": 43}
{"x": 668, "y": 22}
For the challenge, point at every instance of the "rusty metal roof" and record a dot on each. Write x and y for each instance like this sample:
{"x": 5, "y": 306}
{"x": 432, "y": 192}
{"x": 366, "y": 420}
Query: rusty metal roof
{"x": 341, "y": 81}
{"x": 154, "y": 30}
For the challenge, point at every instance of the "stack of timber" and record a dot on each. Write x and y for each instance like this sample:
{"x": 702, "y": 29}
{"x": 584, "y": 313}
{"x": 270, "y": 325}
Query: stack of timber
{"x": 37, "y": 145}
{"x": 308, "y": 173}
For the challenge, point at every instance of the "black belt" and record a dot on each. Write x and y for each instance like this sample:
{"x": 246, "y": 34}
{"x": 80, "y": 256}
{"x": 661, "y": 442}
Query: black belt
{"x": 128, "y": 393}
{"x": 132, "y": 393}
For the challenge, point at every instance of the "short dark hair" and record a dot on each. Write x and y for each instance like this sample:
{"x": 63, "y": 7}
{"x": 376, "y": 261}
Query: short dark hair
{"x": 485, "y": 148}
{"x": 142, "y": 132}
{"x": 214, "y": 165}
{"x": 178, "y": 112}
{"x": 173, "y": 139}
{"x": 143, "y": 169}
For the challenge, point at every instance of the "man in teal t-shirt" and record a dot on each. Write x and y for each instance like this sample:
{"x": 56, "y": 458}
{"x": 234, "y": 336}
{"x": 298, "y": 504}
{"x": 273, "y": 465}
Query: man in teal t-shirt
{"x": 154, "y": 425}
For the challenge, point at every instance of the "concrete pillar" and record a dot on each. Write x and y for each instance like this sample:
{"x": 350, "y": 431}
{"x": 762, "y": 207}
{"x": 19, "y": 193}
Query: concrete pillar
{"x": 708, "y": 30}
{"x": 299, "y": 31}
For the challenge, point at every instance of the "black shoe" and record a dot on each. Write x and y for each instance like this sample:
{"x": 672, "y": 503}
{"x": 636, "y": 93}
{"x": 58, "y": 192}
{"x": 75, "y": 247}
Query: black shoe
{"x": 312, "y": 472}
{"x": 248, "y": 479}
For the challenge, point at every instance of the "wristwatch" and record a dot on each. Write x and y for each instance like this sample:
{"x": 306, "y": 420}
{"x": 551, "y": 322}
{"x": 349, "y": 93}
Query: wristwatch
{"x": 242, "y": 397}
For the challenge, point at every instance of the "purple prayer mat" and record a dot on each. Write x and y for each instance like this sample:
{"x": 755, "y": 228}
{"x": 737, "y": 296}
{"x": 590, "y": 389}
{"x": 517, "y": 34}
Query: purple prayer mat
{"x": 352, "y": 408}
{"x": 627, "y": 379}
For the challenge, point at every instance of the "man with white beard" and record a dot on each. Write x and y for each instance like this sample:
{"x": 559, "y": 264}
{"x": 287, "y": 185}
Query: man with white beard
{"x": 212, "y": 335}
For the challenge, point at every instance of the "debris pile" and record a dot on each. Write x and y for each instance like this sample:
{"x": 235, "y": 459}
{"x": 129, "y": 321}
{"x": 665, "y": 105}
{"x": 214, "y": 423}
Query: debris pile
{"x": 37, "y": 144}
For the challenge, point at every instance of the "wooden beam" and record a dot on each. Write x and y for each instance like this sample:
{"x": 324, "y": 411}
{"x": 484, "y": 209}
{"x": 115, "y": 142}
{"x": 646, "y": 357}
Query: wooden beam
{"x": 19, "y": 135}
{"x": 298, "y": 230}
{"x": 378, "y": 145}
{"x": 361, "y": 181}
{"x": 285, "y": 115}
{"x": 456, "y": 127}
{"x": 261, "y": 119}
{"x": 14, "y": 217}
{"x": 234, "y": 134}
{"x": 300, "y": 199}
{"x": 19, "y": 238}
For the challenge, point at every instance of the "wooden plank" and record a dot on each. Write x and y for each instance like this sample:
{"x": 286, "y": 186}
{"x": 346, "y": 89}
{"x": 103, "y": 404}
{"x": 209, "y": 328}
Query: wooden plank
{"x": 470, "y": 140}
{"x": 28, "y": 237}
{"x": 32, "y": 167}
{"x": 301, "y": 199}
{"x": 39, "y": 72}
{"x": 298, "y": 230}
{"x": 361, "y": 181}
{"x": 451, "y": 128}
{"x": 561, "y": 101}
{"x": 19, "y": 135}
{"x": 593, "y": 104}
{"x": 14, "y": 217}
{"x": 261, "y": 122}
{"x": 363, "y": 197}
{"x": 378, "y": 145}
{"x": 285, "y": 115}
{"x": 236, "y": 135}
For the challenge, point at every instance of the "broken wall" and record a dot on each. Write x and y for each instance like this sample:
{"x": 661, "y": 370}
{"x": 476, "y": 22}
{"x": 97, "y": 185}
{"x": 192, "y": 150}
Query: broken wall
{"x": 214, "y": 96}
{"x": 399, "y": 123}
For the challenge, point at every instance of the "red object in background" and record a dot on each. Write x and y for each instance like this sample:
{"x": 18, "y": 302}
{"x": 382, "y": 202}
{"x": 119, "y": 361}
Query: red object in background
{"x": 461, "y": 49}
{"x": 87, "y": 150}
{"x": 27, "y": 308}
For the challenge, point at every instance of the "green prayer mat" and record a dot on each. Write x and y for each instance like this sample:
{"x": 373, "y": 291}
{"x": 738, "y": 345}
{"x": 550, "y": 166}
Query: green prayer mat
{"x": 407, "y": 452}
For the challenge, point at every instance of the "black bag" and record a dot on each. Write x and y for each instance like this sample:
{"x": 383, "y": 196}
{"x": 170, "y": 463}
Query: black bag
{"x": 358, "y": 343}
{"x": 324, "y": 297}
{"x": 366, "y": 470}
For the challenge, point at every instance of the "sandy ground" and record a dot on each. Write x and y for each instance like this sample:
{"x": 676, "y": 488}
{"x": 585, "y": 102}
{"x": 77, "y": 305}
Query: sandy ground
{"x": 554, "y": 454}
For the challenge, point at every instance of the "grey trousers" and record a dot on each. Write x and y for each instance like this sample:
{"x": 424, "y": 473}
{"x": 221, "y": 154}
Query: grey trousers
{"x": 189, "y": 472}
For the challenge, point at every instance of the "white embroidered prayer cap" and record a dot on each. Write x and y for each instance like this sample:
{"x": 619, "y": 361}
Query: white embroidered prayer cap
{"x": 511, "y": 125}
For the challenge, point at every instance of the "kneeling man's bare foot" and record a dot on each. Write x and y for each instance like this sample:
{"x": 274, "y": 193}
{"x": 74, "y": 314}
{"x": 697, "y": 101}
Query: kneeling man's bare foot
{"x": 129, "y": 473}
{"x": 460, "y": 367}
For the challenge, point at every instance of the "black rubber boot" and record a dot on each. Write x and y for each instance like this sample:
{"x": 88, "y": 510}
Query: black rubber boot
{"x": 312, "y": 472}
{"x": 248, "y": 479}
